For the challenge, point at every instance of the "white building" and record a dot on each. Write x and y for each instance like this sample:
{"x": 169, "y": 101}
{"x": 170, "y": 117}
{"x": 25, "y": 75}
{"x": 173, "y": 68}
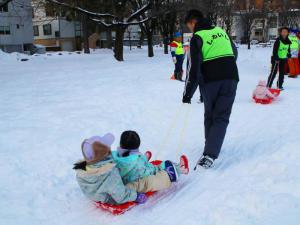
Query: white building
{"x": 262, "y": 29}
{"x": 16, "y": 33}
{"x": 259, "y": 30}
{"x": 55, "y": 31}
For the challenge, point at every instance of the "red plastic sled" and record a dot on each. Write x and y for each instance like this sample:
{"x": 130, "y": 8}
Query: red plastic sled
{"x": 275, "y": 92}
{"x": 121, "y": 209}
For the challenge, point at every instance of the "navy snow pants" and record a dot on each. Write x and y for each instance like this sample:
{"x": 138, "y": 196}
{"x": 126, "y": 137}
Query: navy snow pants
{"x": 279, "y": 65}
{"x": 218, "y": 99}
{"x": 178, "y": 67}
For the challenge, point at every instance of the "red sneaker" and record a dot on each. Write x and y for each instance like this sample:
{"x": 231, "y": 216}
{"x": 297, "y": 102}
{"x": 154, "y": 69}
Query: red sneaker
{"x": 184, "y": 165}
{"x": 148, "y": 155}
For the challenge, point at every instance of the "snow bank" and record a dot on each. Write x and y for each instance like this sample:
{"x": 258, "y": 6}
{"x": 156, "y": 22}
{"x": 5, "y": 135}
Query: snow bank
{"x": 51, "y": 103}
{"x": 6, "y": 57}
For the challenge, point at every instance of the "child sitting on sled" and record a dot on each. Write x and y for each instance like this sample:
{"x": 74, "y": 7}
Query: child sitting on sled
{"x": 262, "y": 92}
{"x": 100, "y": 180}
{"x": 133, "y": 165}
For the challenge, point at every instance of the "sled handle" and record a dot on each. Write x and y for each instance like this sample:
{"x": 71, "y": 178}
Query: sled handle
{"x": 171, "y": 127}
{"x": 183, "y": 129}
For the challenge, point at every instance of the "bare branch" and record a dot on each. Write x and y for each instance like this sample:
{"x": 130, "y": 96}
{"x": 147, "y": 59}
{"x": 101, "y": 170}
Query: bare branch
{"x": 81, "y": 10}
{"x": 139, "y": 12}
{"x": 117, "y": 23}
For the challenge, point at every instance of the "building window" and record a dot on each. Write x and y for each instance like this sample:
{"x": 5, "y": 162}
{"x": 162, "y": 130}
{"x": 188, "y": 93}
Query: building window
{"x": 258, "y": 33}
{"x": 36, "y": 31}
{"x": 47, "y": 29}
{"x": 4, "y": 30}
{"x": 4, "y": 8}
{"x": 77, "y": 29}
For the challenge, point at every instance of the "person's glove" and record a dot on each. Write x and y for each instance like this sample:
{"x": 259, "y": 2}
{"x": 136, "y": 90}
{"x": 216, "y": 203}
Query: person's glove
{"x": 201, "y": 99}
{"x": 174, "y": 60}
{"x": 274, "y": 60}
{"x": 186, "y": 100}
{"x": 141, "y": 198}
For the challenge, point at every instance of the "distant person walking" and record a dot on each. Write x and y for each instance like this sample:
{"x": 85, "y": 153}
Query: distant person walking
{"x": 281, "y": 52}
{"x": 178, "y": 53}
{"x": 213, "y": 67}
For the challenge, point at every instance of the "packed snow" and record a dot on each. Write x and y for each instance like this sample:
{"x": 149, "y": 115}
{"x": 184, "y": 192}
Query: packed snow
{"x": 50, "y": 103}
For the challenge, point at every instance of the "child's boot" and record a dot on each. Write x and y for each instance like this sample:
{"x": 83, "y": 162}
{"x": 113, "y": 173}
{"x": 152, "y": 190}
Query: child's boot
{"x": 170, "y": 168}
{"x": 184, "y": 165}
{"x": 148, "y": 155}
{"x": 180, "y": 76}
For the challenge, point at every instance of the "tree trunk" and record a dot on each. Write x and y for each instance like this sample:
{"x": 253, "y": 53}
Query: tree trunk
{"x": 141, "y": 41}
{"x": 249, "y": 45}
{"x": 119, "y": 43}
{"x": 86, "y": 46}
{"x": 166, "y": 48}
{"x": 228, "y": 25}
{"x": 109, "y": 39}
{"x": 265, "y": 30}
{"x": 249, "y": 37}
{"x": 150, "y": 43}
{"x": 166, "y": 44}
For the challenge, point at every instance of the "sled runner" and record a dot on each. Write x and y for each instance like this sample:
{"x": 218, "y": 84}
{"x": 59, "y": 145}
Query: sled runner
{"x": 275, "y": 92}
{"x": 121, "y": 209}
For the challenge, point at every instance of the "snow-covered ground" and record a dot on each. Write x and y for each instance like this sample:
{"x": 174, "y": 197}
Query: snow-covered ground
{"x": 49, "y": 104}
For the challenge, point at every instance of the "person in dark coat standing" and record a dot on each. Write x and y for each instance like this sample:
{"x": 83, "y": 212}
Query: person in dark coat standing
{"x": 281, "y": 52}
{"x": 212, "y": 67}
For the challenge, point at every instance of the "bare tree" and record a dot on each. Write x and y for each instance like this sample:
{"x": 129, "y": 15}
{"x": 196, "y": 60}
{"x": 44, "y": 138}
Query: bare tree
{"x": 248, "y": 15}
{"x": 289, "y": 13}
{"x": 168, "y": 13}
{"x": 121, "y": 16}
{"x": 148, "y": 27}
{"x": 226, "y": 9}
{"x": 266, "y": 10}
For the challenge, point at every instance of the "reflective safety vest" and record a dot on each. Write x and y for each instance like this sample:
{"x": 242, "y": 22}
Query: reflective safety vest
{"x": 216, "y": 44}
{"x": 179, "y": 49}
{"x": 283, "y": 50}
{"x": 295, "y": 43}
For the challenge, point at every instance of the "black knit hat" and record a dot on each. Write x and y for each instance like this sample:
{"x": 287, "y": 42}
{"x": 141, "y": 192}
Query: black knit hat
{"x": 283, "y": 28}
{"x": 130, "y": 140}
{"x": 193, "y": 14}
